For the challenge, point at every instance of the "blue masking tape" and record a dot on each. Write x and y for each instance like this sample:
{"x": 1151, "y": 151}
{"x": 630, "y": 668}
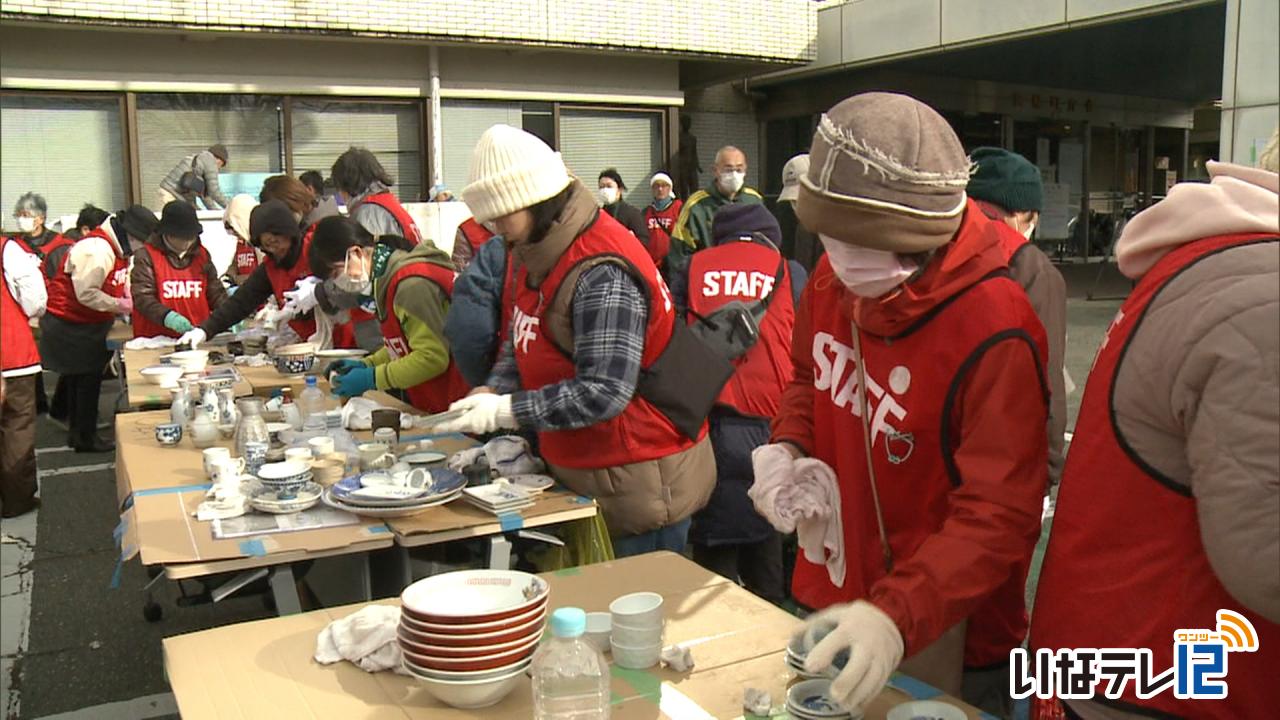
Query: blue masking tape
{"x": 510, "y": 521}
{"x": 917, "y": 689}
{"x": 118, "y": 532}
{"x": 115, "y": 576}
{"x": 253, "y": 547}
{"x": 375, "y": 529}
{"x": 582, "y": 500}
{"x": 171, "y": 490}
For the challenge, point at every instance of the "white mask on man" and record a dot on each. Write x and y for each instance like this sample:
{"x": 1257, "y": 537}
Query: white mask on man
{"x": 608, "y": 195}
{"x": 732, "y": 181}
{"x": 26, "y": 223}
{"x": 1026, "y": 233}
{"x": 866, "y": 272}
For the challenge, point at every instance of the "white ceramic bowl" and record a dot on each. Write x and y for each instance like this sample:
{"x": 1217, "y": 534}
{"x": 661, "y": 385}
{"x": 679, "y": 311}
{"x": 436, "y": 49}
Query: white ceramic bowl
{"x": 636, "y": 637}
{"x": 635, "y": 658}
{"x": 926, "y": 710}
{"x": 598, "y": 626}
{"x": 162, "y": 375}
{"x": 473, "y": 675}
{"x": 471, "y": 597}
{"x": 637, "y": 610}
{"x": 189, "y": 360}
{"x": 470, "y": 694}
{"x": 414, "y": 631}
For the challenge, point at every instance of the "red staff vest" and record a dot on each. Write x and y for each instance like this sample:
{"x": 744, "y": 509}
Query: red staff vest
{"x": 62, "y": 294}
{"x": 660, "y": 223}
{"x": 640, "y": 432}
{"x": 18, "y": 349}
{"x": 436, "y": 394}
{"x": 183, "y": 291}
{"x": 283, "y": 279}
{"x": 388, "y": 202}
{"x": 45, "y": 251}
{"x": 1125, "y": 567}
{"x": 909, "y": 379}
{"x": 745, "y": 271}
{"x": 475, "y": 233}
{"x": 246, "y": 260}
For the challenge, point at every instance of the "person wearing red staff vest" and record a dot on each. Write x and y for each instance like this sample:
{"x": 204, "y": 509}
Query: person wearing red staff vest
{"x": 273, "y": 228}
{"x": 88, "y": 291}
{"x": 467, "y": 241}
{"x": 591, "y": 311}
{"x": 22, "y": 298}
{"x": 1169, "y": 509}
{"x": 173, "y": 282}
{"x": 411, "y": 286}
{"x": 660, "y": 217}
{"x": 917, "y": 408}
{"x": 744, "y": 264}
{"x": 235, "y": 220}
{"x": 365, "y": 187}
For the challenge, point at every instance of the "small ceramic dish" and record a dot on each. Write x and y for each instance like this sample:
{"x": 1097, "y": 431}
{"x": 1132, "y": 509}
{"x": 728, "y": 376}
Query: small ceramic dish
{"x": 169, "y": 434}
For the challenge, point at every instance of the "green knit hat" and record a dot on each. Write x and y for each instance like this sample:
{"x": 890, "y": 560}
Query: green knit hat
{"x": 1006, "y": 179}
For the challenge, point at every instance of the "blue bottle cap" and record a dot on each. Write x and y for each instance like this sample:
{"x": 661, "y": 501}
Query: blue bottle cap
{"x": 311, "y": 381}
{"x": 568, "y": 622}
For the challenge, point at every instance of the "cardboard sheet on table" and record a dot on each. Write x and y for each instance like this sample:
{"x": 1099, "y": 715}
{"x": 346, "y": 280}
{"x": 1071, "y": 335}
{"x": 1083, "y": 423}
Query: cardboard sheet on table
{"x": 143, "y": 464}
{"x": 142, "y": 392}
{"x": 168, "y": 534}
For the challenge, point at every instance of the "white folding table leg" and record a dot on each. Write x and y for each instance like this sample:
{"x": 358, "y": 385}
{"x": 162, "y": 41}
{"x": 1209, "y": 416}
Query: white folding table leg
{"x": 221, "y": 592}
{"x": 499, "y": 553}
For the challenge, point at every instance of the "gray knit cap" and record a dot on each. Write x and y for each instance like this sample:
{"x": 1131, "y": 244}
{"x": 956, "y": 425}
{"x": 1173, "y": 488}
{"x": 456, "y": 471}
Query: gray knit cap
{"x": 887, "y": 172}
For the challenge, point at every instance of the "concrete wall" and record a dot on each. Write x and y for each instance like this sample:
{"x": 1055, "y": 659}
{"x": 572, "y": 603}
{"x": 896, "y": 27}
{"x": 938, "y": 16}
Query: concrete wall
{"x": 1250, "y": 79}
{"x": 863, "y": 31}
{"x": 723, "y": 116}
{"x": 91, "y": 59}
{"x": 762, "y": 30}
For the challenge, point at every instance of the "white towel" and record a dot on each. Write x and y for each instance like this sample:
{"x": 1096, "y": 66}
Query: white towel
{"x": 366, "y": 638}
{"x": 150, "y": 343}
{"x": 801, "y": 496}
{"x": 511, "y": 455}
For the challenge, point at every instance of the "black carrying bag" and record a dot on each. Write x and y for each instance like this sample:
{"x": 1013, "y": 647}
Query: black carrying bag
{"x": 190, "y": 182}
{"x": 685, "y": 381}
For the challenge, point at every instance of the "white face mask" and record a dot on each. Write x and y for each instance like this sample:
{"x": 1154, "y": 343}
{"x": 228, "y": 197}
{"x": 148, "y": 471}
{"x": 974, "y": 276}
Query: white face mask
{"x": 867, "y": 273}
{"x": 26, "y": 223}
{"x": 354, "y": 278}
{"x": 1031, "y": 227}
{"x": 732, "y": 181}
{"x": 608, "y": 195}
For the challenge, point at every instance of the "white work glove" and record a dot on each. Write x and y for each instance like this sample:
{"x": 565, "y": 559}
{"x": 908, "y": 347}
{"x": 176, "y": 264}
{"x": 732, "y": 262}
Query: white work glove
{"x": 773, "y": 467}
{"x": 485, "y": 412}
{"x": 874, "y": 644}
{"x": 302, "y": 298}
{"x": 264, "y": 312}
{"x": 195, "y": 336}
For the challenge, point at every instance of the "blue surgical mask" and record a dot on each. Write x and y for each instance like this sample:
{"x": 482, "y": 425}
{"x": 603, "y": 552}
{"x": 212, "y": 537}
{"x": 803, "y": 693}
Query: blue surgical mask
{"x": 661, "y": 205}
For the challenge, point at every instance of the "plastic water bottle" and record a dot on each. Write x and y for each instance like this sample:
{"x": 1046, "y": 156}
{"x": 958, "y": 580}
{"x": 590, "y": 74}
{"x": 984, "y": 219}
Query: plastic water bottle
{"x": 311, "y": 405}
{"x": 570, "y": 677}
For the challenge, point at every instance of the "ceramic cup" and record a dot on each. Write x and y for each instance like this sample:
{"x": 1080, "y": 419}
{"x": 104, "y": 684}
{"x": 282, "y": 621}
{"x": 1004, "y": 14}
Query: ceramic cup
{"x": 326, "y": 471}
{"x": 169, "y": 433}
{"x": 213, "y": 455}
{"x": 385, "y": 435}
{"x": 321, "y": 446}
{"x": 598, "y": 626}
{"x": 375, "y": 456}
{"x": 635, "y": 658}
{"x": 222, "y": 462}
{"x": 388, "y": 418}
{"x": 255, "y": 454}
{"x": 226, "y": 470}
{"x": 300, "y": 454}
{"x": 641, "y": 610}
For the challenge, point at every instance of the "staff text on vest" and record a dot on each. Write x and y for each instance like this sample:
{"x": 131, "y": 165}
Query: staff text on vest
{"x": 173, "y": 289}
{"x": 736, "y": 283}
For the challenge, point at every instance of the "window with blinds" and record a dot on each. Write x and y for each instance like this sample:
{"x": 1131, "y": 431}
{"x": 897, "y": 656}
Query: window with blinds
{"x": 463, "y": 122}
{"x": 67, "y": 149}
{"x": 175, "y": 126}
{"x": 324, "y": 129}
{"x": 628, "y": 141}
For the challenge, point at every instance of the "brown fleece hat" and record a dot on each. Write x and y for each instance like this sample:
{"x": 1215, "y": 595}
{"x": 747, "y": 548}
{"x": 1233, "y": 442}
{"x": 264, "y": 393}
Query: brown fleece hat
{"x": 886, "y": 172}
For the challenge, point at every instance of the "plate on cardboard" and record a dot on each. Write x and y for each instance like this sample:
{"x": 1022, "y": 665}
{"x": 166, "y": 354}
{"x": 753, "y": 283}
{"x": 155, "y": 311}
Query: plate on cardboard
{"x": 336, "y": 353}
{"x": 424, "y": 457}
{"x": 532, "y": 482}
{"x": 498, "y": 495}
{"x": 387, "y": 492}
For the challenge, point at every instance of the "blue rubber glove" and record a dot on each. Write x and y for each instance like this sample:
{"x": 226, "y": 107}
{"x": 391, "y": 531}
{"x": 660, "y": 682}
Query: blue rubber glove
{"x": 341, "y": 367}
{"x": 177, "y": 323}
{"x": 354, "y": 381}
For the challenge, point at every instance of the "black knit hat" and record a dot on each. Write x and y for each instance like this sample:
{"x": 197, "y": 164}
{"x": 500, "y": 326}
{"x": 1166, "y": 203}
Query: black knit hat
{"x": 138, "y": 221}
{"x": 613, "y": 175}
{"x": 275, "y": 217}
{"x": 738, "y": 220}
{"x": 1006, "y": 179}
{"x": 220, "y": 151}
{"x": 178, "y": 218}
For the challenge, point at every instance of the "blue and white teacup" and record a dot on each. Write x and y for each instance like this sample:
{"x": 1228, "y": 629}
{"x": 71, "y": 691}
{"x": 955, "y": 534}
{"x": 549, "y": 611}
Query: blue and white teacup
{"x": 168, "y": 433}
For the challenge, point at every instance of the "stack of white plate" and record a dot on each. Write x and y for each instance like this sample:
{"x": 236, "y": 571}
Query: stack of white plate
{"x": 380, "y": 500}
{"x": 797, "y": 652}
{"x": 271, "y": 501}
{"x": 469, "y": 636}
{"x": 498, "y": 498}
{"x": 810, "y": 700}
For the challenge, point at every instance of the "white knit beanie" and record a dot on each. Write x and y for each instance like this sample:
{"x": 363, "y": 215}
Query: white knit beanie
{"x": 512, "y": 170}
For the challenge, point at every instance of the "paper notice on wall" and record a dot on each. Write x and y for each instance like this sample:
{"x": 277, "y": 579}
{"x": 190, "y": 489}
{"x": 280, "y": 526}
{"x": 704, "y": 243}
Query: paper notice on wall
{"x": 1071, "y": 165}
{"x": 1042, "y": 152}
{"x": 1056, "y": 213}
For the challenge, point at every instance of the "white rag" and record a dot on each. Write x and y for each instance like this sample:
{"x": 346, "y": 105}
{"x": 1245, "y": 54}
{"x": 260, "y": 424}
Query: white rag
{"x": 357, "y": 414}
{"x": 366, "y": 638}
{"x": 511, "y": 455}
{"x": 150, "y": 343}
{"x": 801, "y": 496}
